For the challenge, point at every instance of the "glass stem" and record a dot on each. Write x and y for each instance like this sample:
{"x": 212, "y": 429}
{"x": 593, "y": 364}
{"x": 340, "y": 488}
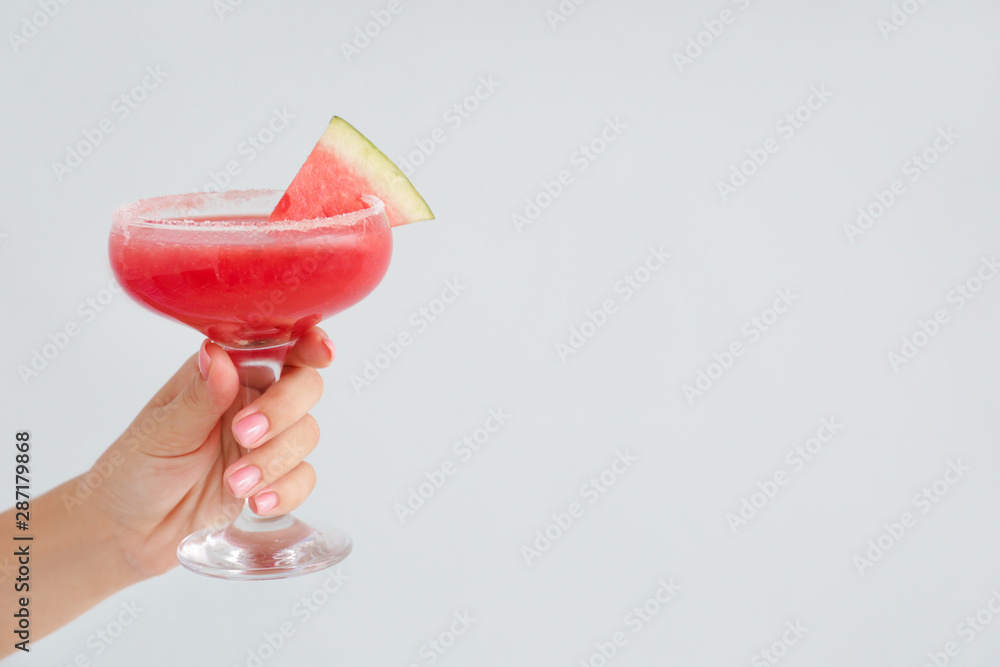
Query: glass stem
{"x": 258, "y": 369}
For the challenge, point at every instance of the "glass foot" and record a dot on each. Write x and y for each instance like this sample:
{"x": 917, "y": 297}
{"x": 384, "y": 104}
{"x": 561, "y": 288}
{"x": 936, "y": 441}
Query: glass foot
{"x": 254, "y": 547}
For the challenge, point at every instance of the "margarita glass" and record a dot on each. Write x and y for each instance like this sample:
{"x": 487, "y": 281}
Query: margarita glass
{"x": 214, "y": 262}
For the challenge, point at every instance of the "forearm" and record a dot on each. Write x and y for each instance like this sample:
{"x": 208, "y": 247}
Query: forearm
{"x": 73, "y": 561}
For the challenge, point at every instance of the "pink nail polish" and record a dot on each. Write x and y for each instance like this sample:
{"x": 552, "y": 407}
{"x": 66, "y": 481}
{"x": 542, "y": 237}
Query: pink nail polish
{"x": 265, "y": 502}
{"x": 204, "y": 361}
{"x": 333, "y": 348}
{"x": 243, "y": 480}
{"x": 250, "y": 429}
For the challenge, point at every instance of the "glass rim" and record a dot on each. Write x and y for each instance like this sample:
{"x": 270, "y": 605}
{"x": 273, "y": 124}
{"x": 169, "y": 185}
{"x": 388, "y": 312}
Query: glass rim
{"x": 148, "y": 213}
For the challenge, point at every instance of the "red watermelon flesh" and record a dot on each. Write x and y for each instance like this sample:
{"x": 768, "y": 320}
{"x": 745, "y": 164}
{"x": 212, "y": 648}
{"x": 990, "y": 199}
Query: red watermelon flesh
{"x": 343, "y": 166}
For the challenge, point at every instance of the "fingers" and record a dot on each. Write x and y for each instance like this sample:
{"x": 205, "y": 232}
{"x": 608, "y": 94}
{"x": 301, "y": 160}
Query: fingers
{"x": 279, "y": 432}
{"x": 287, "y": 493}
{"x": 270, "y": 462}
{"x": 180, "y": 425}
{"x": 313, "y": 349}
{"x": 291, "y": 397}
{"x": 283, "y": 404}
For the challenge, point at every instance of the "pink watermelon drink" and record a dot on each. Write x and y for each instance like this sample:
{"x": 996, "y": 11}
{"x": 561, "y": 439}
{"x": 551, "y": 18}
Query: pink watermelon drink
{"x": 253, "y": 270}
{"x": 241, "y": 280}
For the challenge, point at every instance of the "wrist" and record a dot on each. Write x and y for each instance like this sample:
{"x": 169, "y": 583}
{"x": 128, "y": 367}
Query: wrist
{"x": 95, "y": 537}
{"x": 75, "y": 559}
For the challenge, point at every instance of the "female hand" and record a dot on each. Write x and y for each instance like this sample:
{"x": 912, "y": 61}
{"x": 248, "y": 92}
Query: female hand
{"x": 179, "y": 467}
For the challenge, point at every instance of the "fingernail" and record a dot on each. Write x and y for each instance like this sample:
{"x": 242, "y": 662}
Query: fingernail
{"x": 243, "y": 480}
{"x": 250, "y": 429}
{"x": 266, "y": 502}
{"x": 204, "y": 361}
{"x": 333, "y": 348}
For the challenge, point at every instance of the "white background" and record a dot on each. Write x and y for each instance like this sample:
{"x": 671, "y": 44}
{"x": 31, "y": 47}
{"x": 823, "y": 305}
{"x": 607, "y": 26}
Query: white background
{"x": 656, "y": 185}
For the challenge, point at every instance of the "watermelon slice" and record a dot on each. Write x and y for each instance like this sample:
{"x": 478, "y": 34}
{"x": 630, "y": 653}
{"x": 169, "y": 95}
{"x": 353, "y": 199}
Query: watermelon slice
{"x": 343, "y": 166}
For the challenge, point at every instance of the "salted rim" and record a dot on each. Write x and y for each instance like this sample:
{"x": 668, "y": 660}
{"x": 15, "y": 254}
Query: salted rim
{"x": 143, "y": 213}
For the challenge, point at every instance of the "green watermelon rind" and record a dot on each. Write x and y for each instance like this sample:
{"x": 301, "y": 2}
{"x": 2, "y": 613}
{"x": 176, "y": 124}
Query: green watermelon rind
{"x": 389, "y": 182}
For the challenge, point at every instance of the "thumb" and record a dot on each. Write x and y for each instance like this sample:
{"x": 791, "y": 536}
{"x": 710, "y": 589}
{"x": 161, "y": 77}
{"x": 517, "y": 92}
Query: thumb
{"x": 183, "y": 424}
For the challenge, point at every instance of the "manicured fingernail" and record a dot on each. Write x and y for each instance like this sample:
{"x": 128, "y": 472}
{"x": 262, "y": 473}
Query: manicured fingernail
{"x": 333, "y": 348}
{"x": 250, "y": 429}
{"x": 243, "y": 480}
{"x": 266, "y": 502}
{"x": 204, "y": 361}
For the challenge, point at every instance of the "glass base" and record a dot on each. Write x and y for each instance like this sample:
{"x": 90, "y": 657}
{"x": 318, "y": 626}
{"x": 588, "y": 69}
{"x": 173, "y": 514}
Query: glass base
{"x": 254, "y": 547}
